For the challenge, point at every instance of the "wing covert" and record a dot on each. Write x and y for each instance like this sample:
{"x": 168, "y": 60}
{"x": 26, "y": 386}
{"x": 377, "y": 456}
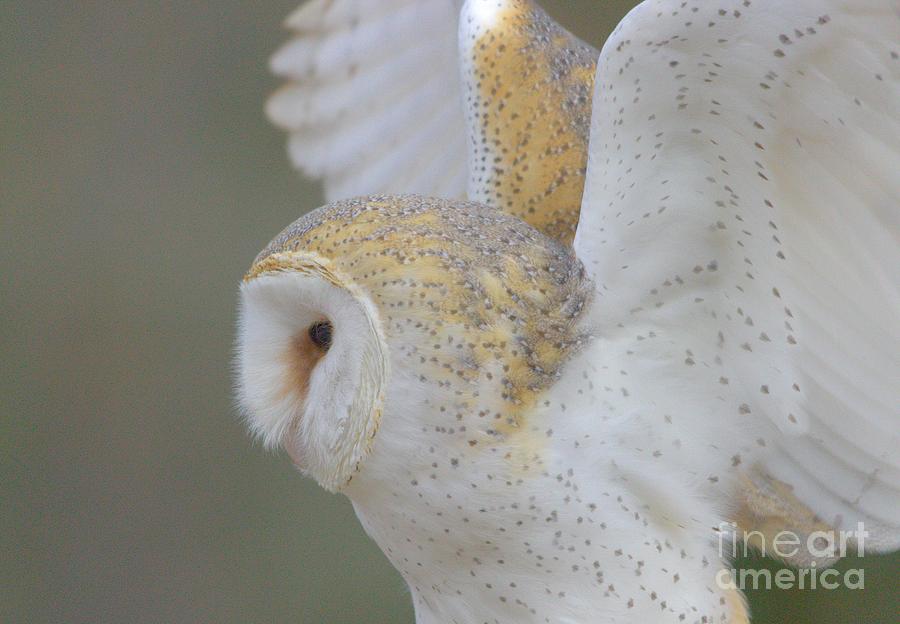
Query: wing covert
{"x": 527, "y": 85}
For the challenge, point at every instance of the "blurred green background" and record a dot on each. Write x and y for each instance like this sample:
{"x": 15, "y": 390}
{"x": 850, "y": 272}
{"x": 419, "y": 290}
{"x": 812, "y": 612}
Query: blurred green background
{"x": 138, "y": 179}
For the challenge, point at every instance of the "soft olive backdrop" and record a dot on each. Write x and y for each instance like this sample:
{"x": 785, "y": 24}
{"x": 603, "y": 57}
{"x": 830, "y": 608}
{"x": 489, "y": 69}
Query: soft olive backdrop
{"x": 138, "y": 179}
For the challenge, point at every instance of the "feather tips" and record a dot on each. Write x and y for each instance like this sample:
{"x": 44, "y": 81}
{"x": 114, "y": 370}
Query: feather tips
{"x": 369, "y": 82}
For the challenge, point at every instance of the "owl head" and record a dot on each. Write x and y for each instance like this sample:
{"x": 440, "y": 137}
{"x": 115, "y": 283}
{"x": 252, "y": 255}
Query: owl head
{"x": 422, "y": 316}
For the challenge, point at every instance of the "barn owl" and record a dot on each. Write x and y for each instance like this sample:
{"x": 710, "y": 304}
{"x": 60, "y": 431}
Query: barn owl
{"x": 669, "y": 304}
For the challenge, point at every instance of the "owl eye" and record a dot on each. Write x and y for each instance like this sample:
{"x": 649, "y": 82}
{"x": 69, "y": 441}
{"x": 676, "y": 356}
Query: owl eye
{"x": 320, "y": 334}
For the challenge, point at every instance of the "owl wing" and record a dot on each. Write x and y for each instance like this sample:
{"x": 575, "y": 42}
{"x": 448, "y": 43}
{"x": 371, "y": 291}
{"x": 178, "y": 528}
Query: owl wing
{"x": 740, "y": 221}
{"x": 527, "y": 85}
{"x": 373, "y": 101}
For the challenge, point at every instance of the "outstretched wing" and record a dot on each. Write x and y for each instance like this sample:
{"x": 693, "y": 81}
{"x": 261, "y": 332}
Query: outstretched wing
{"x": 527, "y": 86}
{"x": 373, "y": 103}
{"x": 741, "y": 221}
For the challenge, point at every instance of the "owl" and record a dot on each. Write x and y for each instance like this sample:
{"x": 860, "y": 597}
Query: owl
{"x": 602, "y": 313}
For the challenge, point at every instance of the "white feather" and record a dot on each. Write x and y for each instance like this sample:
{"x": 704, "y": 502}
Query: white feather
{"x": 328, "y": 148}
{"x": 367, "y": 77}
{"x": 366, "y": 43}
{"x": 740, "y": 220}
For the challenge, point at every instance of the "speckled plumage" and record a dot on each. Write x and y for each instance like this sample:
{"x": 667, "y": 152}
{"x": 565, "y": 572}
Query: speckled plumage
{"x": 470, "y": 286}
{"x": 534, "y": 432}
{"x": 481, "y": 455}
{"x": 527, "y": 87}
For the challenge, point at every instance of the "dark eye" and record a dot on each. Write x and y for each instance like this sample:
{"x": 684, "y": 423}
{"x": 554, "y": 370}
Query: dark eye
{"x": 320, "y": 334}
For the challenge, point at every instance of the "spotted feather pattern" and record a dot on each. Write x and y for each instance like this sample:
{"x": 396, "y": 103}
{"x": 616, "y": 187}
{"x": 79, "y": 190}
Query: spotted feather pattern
{"x": 741, "y": 221}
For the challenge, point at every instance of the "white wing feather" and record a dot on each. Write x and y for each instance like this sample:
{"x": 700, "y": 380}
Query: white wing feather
{"x": 374, "y": 100}
{"x": 741, "y": 220}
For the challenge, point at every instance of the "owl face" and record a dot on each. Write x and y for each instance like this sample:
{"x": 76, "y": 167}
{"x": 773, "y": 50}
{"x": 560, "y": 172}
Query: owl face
{"x": 428, "y": 315}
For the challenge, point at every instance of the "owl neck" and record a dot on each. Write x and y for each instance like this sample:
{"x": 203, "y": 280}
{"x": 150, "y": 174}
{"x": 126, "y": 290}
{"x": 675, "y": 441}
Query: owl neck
{"x": 572, "y": 537}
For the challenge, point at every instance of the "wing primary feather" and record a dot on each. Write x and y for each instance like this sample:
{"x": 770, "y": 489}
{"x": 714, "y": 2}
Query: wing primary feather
{"x": 367, "y": 79}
